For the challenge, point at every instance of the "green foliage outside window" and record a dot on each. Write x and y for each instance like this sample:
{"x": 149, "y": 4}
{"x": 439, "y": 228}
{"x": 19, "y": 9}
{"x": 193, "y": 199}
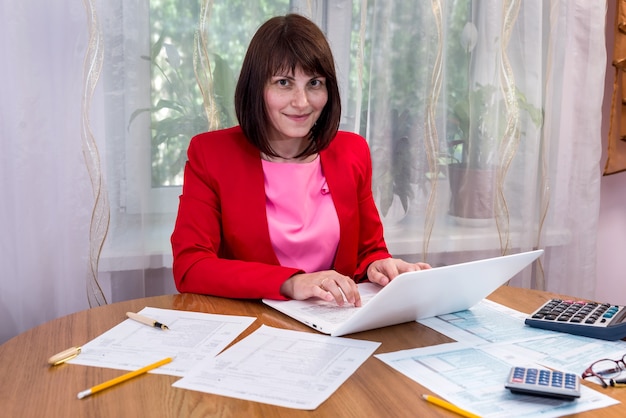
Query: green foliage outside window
{"x": 178, "y": 111}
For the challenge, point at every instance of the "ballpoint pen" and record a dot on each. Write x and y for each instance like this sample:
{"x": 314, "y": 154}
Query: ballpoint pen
{"x": 450, "y": 407}
{"x": 122, "y": 378}
{"x": 145, "y": 320}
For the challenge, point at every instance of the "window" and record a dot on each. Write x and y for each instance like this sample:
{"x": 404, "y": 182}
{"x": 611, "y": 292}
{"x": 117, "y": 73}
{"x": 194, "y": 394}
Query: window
{"x": 170, "y": 74}
{"x": 399, "y": 65}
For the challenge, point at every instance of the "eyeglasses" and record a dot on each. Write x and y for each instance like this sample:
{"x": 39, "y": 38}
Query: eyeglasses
{"x": 607, "y": 370}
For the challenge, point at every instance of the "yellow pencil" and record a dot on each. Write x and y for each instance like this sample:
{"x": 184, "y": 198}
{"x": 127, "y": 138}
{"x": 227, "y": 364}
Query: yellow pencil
{"x": 449, "y": 406}
{"x": 122, "y": 378}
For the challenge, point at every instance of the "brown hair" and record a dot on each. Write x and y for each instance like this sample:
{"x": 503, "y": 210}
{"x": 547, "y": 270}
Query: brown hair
{"x": 284, "y": 43}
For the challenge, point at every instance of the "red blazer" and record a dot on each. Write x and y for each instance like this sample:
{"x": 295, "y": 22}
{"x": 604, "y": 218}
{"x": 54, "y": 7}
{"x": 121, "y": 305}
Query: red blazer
{"x": 221, "y": 242}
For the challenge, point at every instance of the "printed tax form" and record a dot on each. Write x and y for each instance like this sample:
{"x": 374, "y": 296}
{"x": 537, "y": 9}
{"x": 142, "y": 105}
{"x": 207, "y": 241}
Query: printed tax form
{"x": 192, "y": 336}
{"x": 281, "y": 367}
{"x": 491, "y": 338}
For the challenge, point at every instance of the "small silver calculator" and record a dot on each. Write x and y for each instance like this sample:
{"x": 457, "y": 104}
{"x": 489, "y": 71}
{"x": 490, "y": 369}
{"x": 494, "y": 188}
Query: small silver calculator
{"x": 543, "y": 382}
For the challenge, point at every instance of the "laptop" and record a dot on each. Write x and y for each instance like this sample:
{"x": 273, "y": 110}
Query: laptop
{"x": 410, "y": 296}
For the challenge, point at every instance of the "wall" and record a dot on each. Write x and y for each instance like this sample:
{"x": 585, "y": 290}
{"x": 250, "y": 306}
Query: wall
{"x": 611, "y": 280}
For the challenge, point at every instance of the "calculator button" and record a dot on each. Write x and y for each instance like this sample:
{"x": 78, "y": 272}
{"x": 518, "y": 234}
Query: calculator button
{"x": 518, "y": 374}
{"x": 544, "y": 378}
{"x": 570, "y": 381}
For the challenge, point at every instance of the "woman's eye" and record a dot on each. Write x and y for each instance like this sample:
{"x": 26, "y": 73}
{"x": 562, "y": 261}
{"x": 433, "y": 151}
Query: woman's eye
{"x": 317, "y": 83}
{"x": 283, "y": 82}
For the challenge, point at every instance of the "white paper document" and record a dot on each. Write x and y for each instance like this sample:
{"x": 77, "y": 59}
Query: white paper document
{"x": 281, "y": 367}
{"x": 473, "y": 379}
{"x": 492, "y": 323}
{"x": 191, "y": 337}
{"x": 486, "y": 322}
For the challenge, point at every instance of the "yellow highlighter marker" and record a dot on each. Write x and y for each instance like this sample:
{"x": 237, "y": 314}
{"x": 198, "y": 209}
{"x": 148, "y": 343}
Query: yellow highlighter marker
{"x": 449, "y": 406}
{"x": 122, "y": 378}
{"x": 64, "y": 356}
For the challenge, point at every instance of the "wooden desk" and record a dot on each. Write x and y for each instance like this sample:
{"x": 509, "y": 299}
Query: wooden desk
{"x": 30, "y": 388}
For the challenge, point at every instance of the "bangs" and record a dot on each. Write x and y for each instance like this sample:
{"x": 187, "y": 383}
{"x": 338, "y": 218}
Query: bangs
{"x": 288, "y": 54}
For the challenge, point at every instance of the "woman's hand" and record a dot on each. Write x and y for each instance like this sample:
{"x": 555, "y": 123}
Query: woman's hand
{"x": 326, "y": 285}
{"x": 329, "y": 284}
{"x": 383, "y": 271}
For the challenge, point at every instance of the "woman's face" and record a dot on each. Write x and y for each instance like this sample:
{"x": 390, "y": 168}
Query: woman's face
{"x": 294, "y": 102}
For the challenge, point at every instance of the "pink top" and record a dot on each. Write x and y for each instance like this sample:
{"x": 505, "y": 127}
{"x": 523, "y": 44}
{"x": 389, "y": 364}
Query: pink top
{"x": 303, "y": 222}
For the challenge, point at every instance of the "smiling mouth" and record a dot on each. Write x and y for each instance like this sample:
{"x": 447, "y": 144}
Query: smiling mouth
{"x": 298, "y": 116}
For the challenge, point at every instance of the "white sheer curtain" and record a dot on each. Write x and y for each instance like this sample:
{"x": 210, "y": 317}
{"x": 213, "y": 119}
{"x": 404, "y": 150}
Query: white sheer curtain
{"x": 519, "y": 60}
{"x": 66, "y": 154}
{"x": 47, "y": 199}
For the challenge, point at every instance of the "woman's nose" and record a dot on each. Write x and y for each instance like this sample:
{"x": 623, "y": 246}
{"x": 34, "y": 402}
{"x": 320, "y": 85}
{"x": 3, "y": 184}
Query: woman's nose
{"x": 300, "y": 98}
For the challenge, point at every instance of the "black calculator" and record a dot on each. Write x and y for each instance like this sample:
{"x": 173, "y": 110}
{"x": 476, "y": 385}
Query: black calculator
{"x": 590, "y": 319}
{"x": 543, "y": 382}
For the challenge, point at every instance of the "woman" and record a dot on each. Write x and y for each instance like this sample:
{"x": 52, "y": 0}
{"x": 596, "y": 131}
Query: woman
{"x": 281, "y": 206}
